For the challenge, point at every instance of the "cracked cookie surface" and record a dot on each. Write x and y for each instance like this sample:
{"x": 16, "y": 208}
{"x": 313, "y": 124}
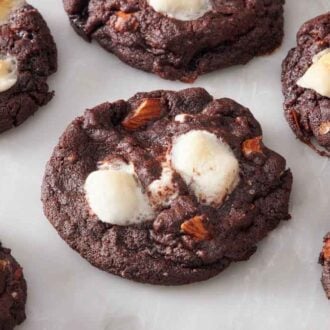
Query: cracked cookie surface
{"x": 26, "y": 37}
{"x": 307, "y": 112}
{"x": 12, "y": 291}
{"x": 187, "y": 239}
{"x": 233, "y": 32}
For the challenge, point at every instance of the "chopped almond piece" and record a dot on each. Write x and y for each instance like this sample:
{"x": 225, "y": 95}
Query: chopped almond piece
{"x": 149, "y": 110}
{"x": 252, "y": 146}
{"x": 195, "y": 227}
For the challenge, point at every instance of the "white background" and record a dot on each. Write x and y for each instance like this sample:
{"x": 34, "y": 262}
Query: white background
{"x": 279, "y": 288}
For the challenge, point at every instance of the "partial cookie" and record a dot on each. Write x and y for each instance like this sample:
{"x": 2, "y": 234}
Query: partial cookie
{"x": 306, "y": 84}
{"x": 12, "y": 291}
{"x": 325, "y": 262}
{"x": 28, "y": 56}
{"x": 165, "y": 188}
{"x": 180, "y": 40}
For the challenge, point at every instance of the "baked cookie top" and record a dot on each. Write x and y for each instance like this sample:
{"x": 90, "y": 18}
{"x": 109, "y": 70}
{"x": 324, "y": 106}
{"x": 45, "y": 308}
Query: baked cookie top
{"x": 27, "y": 57}
{"x": 179, "y": 39}
{"x": 165, "y": 188}
{"x": 12, "y": 291}
{"x": 306, "y": 84}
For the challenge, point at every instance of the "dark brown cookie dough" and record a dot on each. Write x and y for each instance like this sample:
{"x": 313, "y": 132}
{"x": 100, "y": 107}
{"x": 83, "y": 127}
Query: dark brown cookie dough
{"x": 325, "y": 262}
{"x": 307, "y": 111}
{"x": 12, "y": 291}
{"x": 186, "y": 241}
{"x": 232, "y": 33}
{"x": 27, "y": 38}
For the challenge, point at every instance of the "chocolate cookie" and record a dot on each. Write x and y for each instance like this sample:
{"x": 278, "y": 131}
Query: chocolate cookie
{"x": 12, "y": 291}
{"x": 325, "y": 262}
{"x": 180, "y": 39}
{"x": 27, "y": 57}
{"x": 306, "y": 84}
{"x": 165, "y": 188}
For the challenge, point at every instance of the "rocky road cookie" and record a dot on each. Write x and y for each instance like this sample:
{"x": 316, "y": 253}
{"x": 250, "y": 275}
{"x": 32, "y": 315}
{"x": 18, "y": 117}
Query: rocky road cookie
{"x": 180, "y": 39}
{"x": 27, "y": 57}
{"x": 166, "y": 188}
{"x": 306, "y": 84}
{"x": 12, "y": 291}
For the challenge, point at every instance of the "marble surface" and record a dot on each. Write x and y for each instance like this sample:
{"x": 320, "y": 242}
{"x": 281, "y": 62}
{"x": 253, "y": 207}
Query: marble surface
{"x": 279, "y": 288}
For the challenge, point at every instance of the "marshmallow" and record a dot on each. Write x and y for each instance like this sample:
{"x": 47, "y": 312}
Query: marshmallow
{"x": 317, "y": 77}
{"x": 207, "y": 165}
{"x": 184, "y": 10}
{"x": 115, "y": 196}
{"x": 7, "y": 7}
{"x": 181, "y": 118}
{"x": 164, "y": 190}
{"x": 8, "y": 72}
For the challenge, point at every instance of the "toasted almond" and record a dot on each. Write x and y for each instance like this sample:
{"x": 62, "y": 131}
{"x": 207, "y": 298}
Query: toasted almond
{"x": 125, "y": 22}
{"x": 295, "y": 118}
{"x": 3, "y": 264}
{"x": 195, "y": 227}
{"x": 123, "y": 15}
{"x": 326, "y": 250}
{"x": 252, "y": 146}
{"x": 149, "y": 109}
{"x": 325, "y": 128}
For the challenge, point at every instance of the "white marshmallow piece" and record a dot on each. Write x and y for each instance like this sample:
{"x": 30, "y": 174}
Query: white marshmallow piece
{"x": 115, "y": 196}
{"x": 7, "y": 7}
{"x": 163, "y": 191}
{"x": 8, "y": 72}
{"x": 207, "y": 165}
{"x": 317, "y": 77}
{"x": 181, "y": 118}
{"x": 183, "y": 10}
